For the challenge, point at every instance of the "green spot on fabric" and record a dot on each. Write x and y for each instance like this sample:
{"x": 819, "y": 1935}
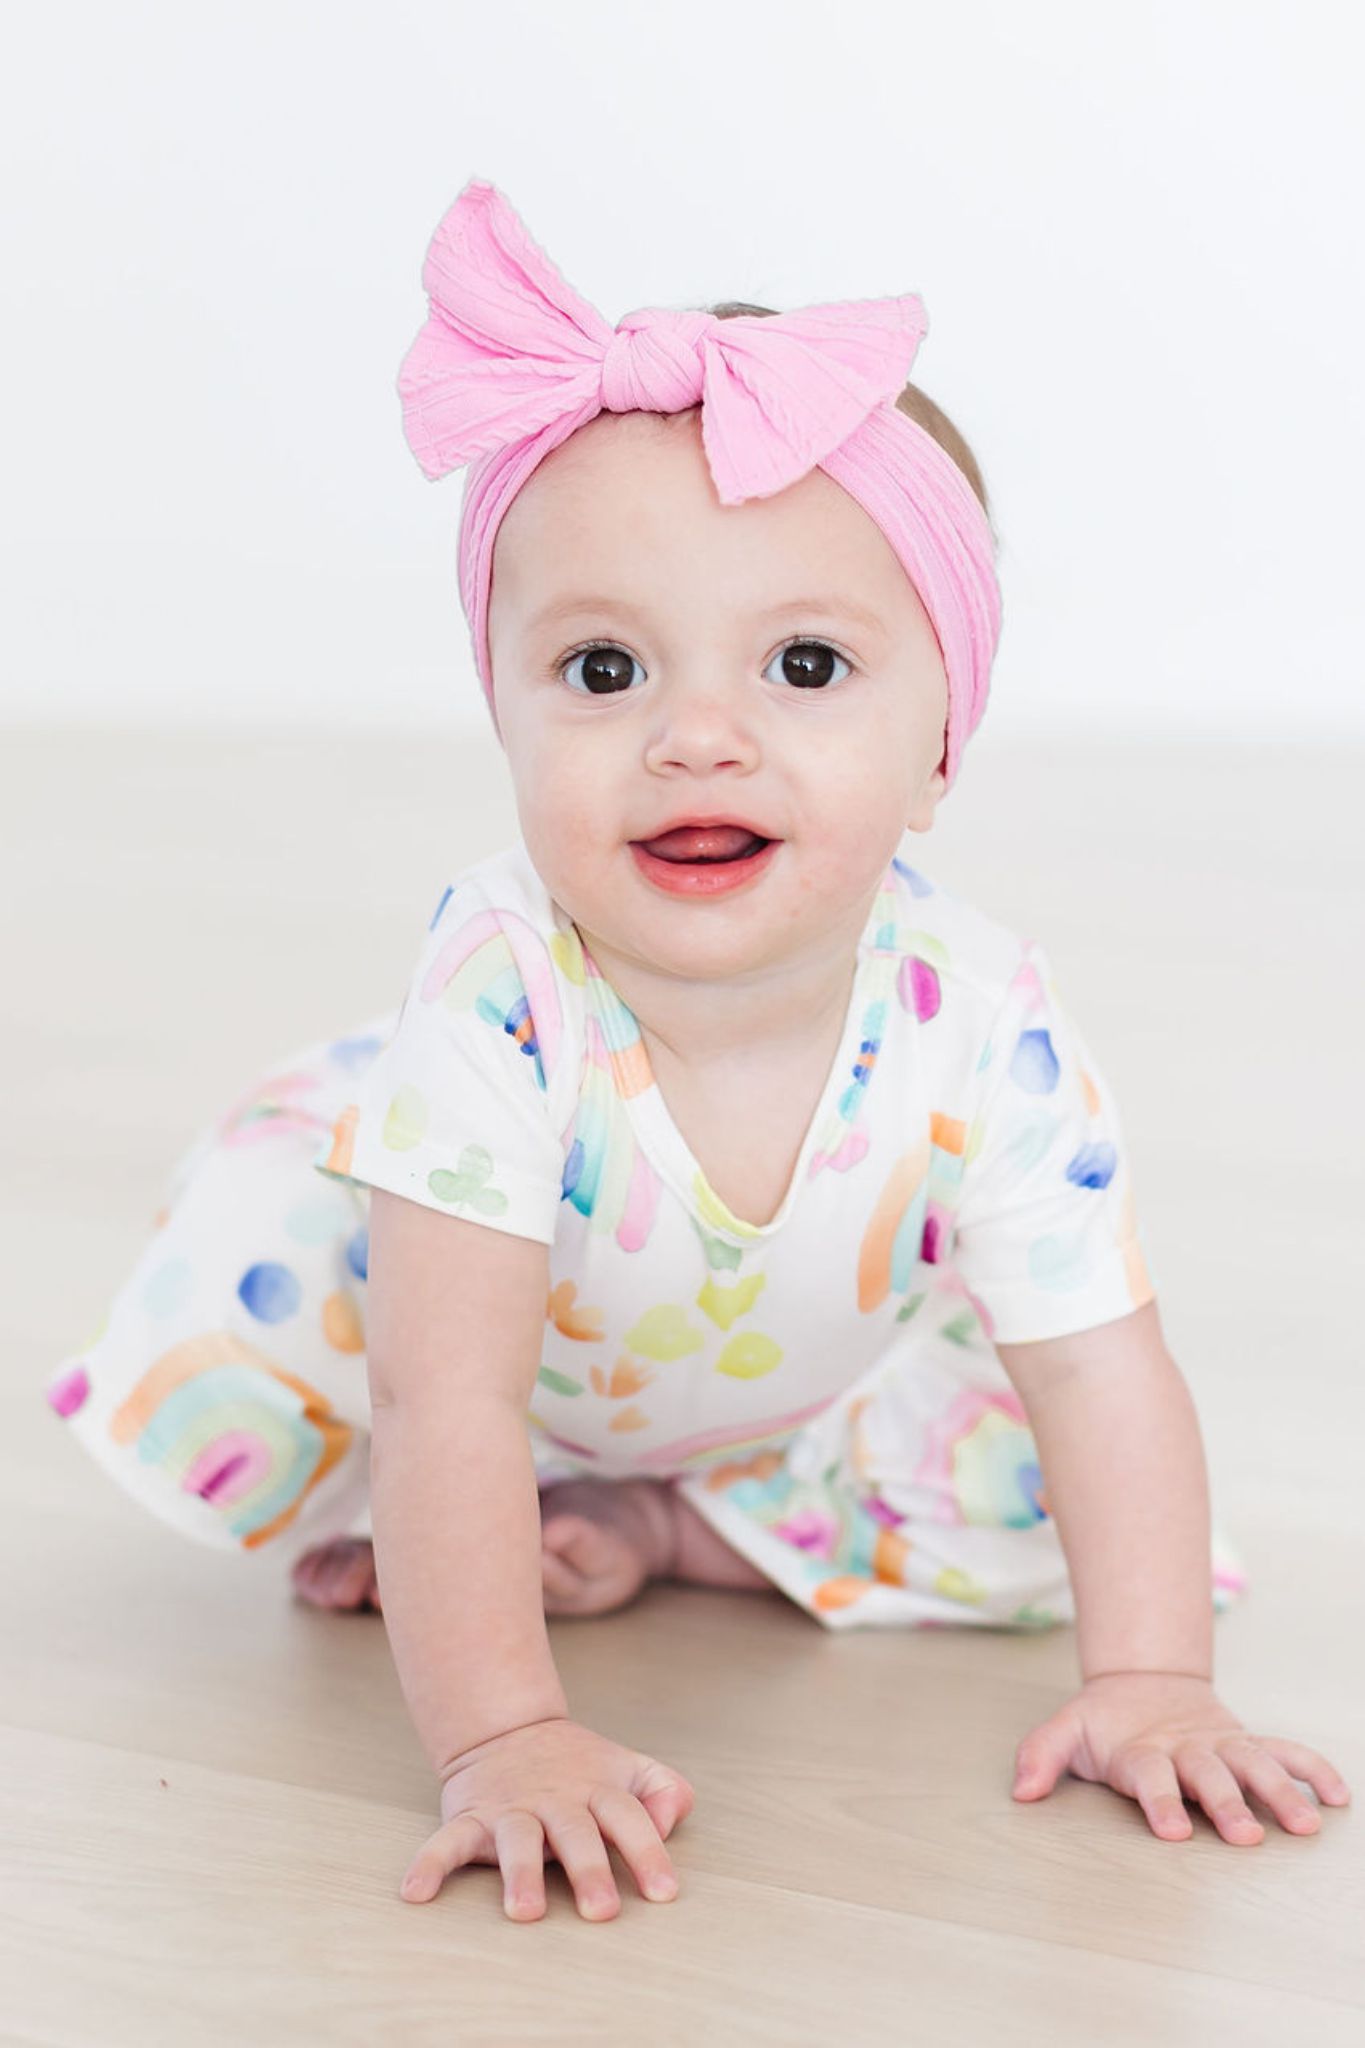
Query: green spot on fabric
{"x": 406, "y": 1122}
{"x": 912, "y": 1307}
{"x": 720, "y": 1257}
{"x": 961, "y": 1329}
{"x": 465, "y": 1188}
{"x": 1033, "y": 1617}
{"x": 558, "y": 1382}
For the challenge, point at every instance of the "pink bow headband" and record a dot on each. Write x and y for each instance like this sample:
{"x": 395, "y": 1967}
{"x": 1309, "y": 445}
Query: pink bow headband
{"x": 511, "y": 361}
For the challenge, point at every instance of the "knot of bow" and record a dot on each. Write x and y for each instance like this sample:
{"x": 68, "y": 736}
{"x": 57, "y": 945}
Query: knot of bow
{"x": 509, "y": 347}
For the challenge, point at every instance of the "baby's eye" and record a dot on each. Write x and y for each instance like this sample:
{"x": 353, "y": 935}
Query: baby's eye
{"x": 606, "y": 669}
{"x": 806, "y": 664}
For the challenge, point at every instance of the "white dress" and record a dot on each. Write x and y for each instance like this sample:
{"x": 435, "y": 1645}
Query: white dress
{"x": 823, "y": 1388}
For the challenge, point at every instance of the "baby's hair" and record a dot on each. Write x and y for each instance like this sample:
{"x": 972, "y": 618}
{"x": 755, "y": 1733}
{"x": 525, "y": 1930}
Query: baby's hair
{"x": 916, "y": 403}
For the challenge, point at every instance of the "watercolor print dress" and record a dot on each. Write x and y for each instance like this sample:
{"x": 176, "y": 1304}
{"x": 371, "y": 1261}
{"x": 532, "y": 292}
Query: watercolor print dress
{"x": 823, "y": 1388}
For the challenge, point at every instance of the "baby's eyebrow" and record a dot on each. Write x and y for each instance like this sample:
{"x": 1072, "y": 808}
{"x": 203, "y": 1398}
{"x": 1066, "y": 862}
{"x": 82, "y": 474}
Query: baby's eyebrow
{"x": 824, "y": 607}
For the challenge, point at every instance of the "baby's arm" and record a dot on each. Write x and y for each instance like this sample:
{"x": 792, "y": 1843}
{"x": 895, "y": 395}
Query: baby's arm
{"x": 1126, "y": 1483}
{"x": 454, "y": 1328}
{"x": 453, "y": 1334}
{"x": 1127, "y": 1486}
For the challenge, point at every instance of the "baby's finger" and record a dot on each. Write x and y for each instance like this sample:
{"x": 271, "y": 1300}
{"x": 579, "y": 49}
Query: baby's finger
{"x": 577, "y": 1842}
{"x": 625, "y": 1822}
{"x": 458, "y": 1841}
{"x": 1270, "y": 1781}
{"x": 1207, "y": 1778}
{"x": 1150, "y": 1779}
{"x": 520, "y": 1840}
{"x": 1325, "y": 1779}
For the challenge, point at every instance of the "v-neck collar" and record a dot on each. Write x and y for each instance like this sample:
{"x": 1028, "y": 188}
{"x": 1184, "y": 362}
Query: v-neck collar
{"x": 841, "y": 1099}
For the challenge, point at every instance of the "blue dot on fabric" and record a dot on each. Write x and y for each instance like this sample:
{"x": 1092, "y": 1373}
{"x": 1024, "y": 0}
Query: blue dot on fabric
{"x": 270, "y": 1291}
{"x": 1094, "y": 1165}
{"x": 1034, "y": 1065}
{"x": 358, "y": 1254}
{"x": 349, "y": 1053}
{"x": 436, "y": 914}
{"x": 919, "y": 885}
{"x": 1030, "y": 1478}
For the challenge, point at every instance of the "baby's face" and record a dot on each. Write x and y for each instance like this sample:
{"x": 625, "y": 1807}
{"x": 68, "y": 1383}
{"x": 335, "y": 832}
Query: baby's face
{"x": 707, "y": 612}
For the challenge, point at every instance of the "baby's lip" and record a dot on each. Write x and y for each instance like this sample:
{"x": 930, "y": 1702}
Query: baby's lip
{"x": 693, "y": 842}
{"x": 699, "y": 824}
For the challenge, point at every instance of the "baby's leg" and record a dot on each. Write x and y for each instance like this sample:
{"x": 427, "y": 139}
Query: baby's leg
{"x": 602, "y": 1542}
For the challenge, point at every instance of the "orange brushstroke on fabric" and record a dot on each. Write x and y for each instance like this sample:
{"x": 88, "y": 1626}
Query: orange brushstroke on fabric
{"x": 874, "y": 1254}
{"x": 584, "y": 1325}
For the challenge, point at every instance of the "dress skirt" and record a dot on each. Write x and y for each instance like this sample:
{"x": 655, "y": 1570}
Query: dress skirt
{"x": 227, "y": 1392}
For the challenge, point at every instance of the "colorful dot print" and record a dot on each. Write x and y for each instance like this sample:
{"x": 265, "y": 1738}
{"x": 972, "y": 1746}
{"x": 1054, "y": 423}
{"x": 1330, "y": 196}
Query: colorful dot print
{"x": 820, "y": 1383}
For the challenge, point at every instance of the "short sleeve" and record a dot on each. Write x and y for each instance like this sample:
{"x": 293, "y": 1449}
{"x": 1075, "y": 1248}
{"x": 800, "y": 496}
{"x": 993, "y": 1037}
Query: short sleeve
{"x": 455, "y": 1111}
{"x": 1046, "y": 1239}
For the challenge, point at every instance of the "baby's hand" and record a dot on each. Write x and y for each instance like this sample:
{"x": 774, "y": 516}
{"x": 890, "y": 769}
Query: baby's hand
{"x": 1152, "y": 1735}
{"x": 554, "y": 1784}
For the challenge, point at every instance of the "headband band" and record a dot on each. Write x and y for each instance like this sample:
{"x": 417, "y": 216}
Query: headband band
{"x": 511, "y": 362}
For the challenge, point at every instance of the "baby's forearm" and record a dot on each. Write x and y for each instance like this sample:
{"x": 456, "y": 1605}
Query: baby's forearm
{"x": 1126, "y": 1483}
{"x": 456, "y": 1519}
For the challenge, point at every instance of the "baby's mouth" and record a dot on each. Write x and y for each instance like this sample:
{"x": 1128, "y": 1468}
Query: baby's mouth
{"x": 705, "y": 844}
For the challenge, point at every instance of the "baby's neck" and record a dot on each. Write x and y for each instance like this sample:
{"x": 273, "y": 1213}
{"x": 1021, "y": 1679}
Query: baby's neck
{"x": 772, "y": 1017}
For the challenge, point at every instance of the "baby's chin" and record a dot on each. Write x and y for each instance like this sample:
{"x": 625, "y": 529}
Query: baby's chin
{"x": 720, "y": 940}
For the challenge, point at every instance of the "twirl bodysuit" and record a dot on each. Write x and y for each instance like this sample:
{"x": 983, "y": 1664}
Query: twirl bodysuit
{"x": 823, "y": 1388}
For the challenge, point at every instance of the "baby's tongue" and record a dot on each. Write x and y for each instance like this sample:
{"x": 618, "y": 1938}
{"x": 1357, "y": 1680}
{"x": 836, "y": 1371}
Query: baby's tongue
{"x": 702, "y": 842}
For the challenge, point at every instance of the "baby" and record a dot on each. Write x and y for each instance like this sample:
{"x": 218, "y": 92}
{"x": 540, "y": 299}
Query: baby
{"x": 727, "y": 1203}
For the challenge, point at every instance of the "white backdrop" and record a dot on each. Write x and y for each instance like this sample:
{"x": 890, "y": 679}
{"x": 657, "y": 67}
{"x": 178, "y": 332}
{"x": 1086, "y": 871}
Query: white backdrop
{"x": 1136, "y": 233}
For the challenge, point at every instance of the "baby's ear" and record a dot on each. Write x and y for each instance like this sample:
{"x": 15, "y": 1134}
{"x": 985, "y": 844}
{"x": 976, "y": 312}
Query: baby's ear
{"x": 926, "y": 802}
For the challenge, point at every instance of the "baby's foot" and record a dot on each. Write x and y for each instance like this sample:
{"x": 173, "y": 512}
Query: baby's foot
{"x": 338, "y": 1574}
{"x": 602, "y": 1541}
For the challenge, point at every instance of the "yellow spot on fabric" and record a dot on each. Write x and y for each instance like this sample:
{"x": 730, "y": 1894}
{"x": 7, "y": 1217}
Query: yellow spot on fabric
{"x": 928, "y": 945}
{"x": 953, "y": 1583}
{"x": 725, "y": 1305}
{"x": 715, "y": 1212}
{"x": 406, "y": 1123}
{"x": 1092, "y": 1093}
{"x": 664, "y": 1333}
{"x": 341, "y": 1323}
{"x": 749, "y": 1356}
{"x": 566, "y": 950}
{"x": 976, "y": 1138}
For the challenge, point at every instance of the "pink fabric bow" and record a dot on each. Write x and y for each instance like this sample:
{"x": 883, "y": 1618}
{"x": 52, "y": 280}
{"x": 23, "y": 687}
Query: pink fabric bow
{"x": 511, "y": 361}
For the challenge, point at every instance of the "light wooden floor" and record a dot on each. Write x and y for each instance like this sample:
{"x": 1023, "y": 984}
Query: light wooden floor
{"x": 209, "y": 1797}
